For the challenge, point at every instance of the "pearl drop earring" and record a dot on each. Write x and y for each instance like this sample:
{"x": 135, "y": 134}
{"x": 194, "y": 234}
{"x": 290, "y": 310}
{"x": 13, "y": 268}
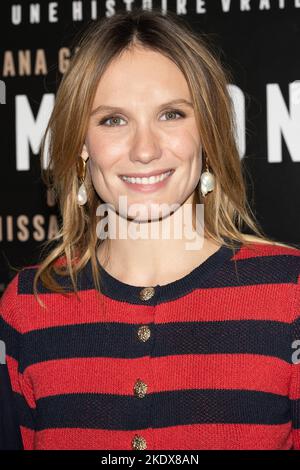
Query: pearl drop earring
{"x": 81, "y": 172}
{"x": 207, "y": 181}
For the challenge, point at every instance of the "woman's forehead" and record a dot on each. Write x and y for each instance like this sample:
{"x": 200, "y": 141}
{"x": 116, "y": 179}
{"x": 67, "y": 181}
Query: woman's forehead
{"x": 148, "y": 75}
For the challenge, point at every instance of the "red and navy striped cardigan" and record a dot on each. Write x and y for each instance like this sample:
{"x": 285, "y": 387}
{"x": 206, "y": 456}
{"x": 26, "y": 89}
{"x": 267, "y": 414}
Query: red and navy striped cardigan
{"x": 210, "y": 361}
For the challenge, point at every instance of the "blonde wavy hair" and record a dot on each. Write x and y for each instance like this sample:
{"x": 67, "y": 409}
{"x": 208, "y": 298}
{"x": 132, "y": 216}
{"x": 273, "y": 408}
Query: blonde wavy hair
{"x": 227, "y": 210}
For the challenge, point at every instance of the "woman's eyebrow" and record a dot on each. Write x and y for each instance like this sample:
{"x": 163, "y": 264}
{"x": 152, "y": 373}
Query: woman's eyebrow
{"x": 106, "y": 108}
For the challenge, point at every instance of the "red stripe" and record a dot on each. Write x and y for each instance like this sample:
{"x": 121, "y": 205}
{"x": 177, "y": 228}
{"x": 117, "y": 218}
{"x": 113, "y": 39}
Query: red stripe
{"x": 113, "y": 375}
{"x": 62, "y": 311}
{"x": 12, "y": 366}
{"x": 28, "y": 436}
{"x": 250, "y": 302}
{"x": 19, "y": 382}
{"x": 265, "y": 249}
{"x": 189, "y": 437}
{"x": 225, "y": 436}
{"x": 296, "y": 439}
{"x": 199, "y": 305}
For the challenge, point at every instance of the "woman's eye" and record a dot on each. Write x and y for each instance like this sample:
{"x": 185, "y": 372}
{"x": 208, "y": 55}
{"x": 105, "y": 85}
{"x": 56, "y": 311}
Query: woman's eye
{"x": 174, "y": 112}
{"x": 115, "y": 118}
{"x": 112, "y": 118}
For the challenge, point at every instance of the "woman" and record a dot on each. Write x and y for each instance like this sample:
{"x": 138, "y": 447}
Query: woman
{"x": 163, "y": 339}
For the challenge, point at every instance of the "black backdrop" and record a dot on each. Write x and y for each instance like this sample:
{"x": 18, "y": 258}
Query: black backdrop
{"x": 258, "y": 40}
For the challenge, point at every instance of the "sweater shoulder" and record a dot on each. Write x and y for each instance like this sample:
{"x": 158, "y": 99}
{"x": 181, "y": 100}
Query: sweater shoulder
{"x": 272, "y": 259}
{"x": 26, "y": 279}
{"x": 21, "y": 286}
{"x": 269, "y": 249}
{"x": 20, "y": 308}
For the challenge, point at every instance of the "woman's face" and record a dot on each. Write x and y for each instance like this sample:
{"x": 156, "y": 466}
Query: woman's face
{"x": 144, "y": 135}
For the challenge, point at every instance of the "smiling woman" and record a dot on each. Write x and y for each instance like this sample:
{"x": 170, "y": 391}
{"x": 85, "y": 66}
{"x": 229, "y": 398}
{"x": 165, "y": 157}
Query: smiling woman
{"x": 150, "y": 141}
{"x": 152, "y": 342}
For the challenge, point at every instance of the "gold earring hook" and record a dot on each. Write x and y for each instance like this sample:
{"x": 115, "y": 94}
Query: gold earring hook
{"x": 81, "y": 168}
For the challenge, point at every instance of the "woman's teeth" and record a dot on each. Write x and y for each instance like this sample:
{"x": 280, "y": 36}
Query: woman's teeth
{"x": 151, "y": 180}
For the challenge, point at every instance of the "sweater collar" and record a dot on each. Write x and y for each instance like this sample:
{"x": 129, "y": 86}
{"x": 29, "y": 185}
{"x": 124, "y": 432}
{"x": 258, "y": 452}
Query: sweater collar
{"x": 199, "y": 277}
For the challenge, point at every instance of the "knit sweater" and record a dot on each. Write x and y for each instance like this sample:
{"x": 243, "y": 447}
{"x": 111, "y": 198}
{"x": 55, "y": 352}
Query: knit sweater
{"x": 208, "y": 361}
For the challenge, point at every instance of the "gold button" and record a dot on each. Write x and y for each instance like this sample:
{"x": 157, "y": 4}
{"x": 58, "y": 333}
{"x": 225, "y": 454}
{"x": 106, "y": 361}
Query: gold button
{"x": 140, "y": 388}
{"x": 144, "y": 333}
{"x": 146, "y": 293}
{"x": 139, "y": 443}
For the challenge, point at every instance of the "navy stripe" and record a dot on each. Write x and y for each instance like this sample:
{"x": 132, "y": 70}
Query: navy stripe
{"x": 112, "y": 287}
{"x": 269, "y": 338}
{"x": 219, "y": 270}
{"x": 296, "y": 328}
{"x": 162, "y": 409}
{"x": 225, "y": 272}
{"x": 277, "y": 269}
{"x": 26, "y": 277}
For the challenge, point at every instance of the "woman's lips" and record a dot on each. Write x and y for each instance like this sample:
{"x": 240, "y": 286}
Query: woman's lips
{"x": 146, "y": 188}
